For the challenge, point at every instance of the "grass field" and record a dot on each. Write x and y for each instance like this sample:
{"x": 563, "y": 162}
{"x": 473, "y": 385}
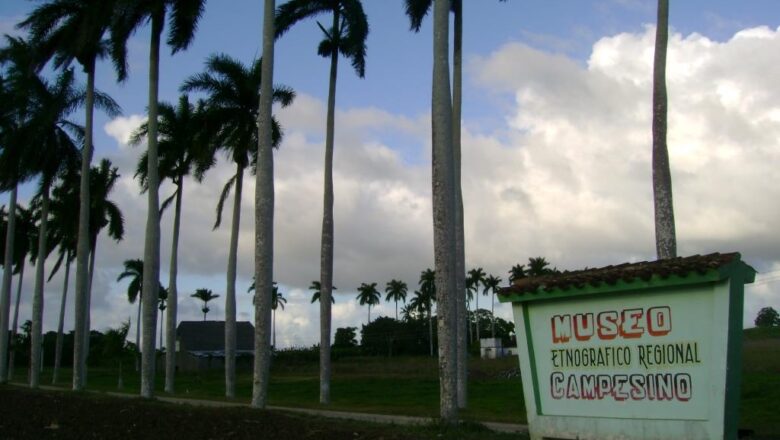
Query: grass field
{"x": 409, "y": 386}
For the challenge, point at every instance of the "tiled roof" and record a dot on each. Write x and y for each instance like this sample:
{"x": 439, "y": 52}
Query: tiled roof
{"x": 628, "y": 272}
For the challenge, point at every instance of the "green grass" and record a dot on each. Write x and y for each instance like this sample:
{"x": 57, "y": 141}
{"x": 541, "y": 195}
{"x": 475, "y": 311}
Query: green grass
{"x": 409, "y": 386}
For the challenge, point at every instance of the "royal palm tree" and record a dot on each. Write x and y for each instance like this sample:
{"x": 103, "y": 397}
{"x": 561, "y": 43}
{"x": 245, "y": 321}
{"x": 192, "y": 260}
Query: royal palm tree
{"x": 396, "y": 290}
{"x": 64, "y": 232}
{"x": 17, "y": 59}
{"x": 347, "y": 35}
{"x": 475, "y": 278}
{"x": 104, "y": 213}
{"x": 416, "y": 10}
{"x": 425, "y": 297}
{"x": 492, "y": 283}
{"x": 24, "y": 242}
{"x": 68, "y": 30}
{"x": 317, "y": 292}
{"x": 183, "y": 16}
{"x": 264, "y": 213}
{"x": 277, "y": 300}
{"x": 134, "y": 269}
{"x": 231, "y": 122}
{"x": 367, "y": 294}
{"x": 162, "y": 299}
{"x": 665, "y": 237}
{"x": 181, "y": 153}
{"x": 204, "y": 295}
{"x": 53, "y": 134}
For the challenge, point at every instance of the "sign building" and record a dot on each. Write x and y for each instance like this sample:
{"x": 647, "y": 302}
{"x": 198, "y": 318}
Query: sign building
{"x": 635, "y": 351}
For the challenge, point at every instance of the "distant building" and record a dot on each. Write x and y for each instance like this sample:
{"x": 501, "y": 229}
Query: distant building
{"x": 493, "y": 348}
{"x": 200, "y": 345}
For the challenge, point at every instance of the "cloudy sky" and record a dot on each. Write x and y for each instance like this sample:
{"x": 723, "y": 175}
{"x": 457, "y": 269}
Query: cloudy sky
{"x": 556, "y": 150}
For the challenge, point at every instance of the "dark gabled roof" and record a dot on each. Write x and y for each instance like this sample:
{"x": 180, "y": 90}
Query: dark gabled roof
{"x": 210, "y": 335}
{"x": 604, "y": 277}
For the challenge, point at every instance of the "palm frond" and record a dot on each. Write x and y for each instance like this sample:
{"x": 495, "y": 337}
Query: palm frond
{"x": 222, "y": 198}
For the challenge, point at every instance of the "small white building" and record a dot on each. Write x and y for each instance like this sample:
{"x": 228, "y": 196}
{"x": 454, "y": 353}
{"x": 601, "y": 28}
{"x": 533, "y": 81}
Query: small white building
{"x": 492, "y": 348}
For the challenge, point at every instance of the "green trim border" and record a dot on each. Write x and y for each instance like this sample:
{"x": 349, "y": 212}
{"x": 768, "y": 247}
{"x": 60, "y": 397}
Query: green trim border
{"x": 532, "y": 360}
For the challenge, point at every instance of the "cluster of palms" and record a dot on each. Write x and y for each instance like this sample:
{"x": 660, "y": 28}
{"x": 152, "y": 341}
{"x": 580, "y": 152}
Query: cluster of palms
{"x": 231, "y": 119}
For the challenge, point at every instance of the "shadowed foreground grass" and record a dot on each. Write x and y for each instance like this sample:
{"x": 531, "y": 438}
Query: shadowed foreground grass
{"x": 409, "y": 386}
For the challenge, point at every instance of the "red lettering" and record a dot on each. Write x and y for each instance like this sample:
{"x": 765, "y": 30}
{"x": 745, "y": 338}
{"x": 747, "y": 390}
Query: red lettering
{"x": 583, "y": 326}
{"x": 561, "y": 329}
{"x": 631, "y": 324}
{"x": 659, "y": 321}
{"x": 608, "y": 325}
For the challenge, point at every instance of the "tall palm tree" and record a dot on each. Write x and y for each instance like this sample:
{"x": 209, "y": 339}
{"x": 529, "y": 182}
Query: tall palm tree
{"x": 53, "y": 134}
{"x": 475, "y": 278}
{"x": 416, "y": 10}
{"x": 425, "y": 297}
{"x": 231, "y": 121}
{"x": 396, "y": 290}
{"x": 104, "y": 213}
{"x": 665, "y": 237}
{"x": 183, "y": 16}
{"x": 347, "y": 35}
{"x": 134, "y": 269}
{"x": 264, "y": 213}
{"x": 277, "y": 300}
{"x": 492, "y": 283}
{"x": 204, "y": 295}
{"x": 317, "y": 292}
{"x": 367, "y": 294}
{"x": 69, "y": 30}
{"x": 65, "y": 234}
{"x": 181, "y": 153}
{"x": 17, "y": 59}
{"x": 24, "y": 242}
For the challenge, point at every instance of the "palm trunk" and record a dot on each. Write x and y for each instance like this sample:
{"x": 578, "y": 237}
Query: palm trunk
{"x": 369, "y": 313}
{"x": 173, "y": 296}
{"x": 444, "y": 216}
{"x": 665, "y": 239}
{"x": 15, "y": 325}
{"x": 61, "y": 323}
{"x": 138, "y": 335}
{"x": 396, "y": 310}
{"x": 82, "y": 249}
{"x": 326, "y": 250}
{"x": 230, "y": 293}
{"x": 264, "y": 216}
{"x": 5, "y": 296}
{"x": 161, "y": 329}
{"x": 493, "y": 315}
{"x": 151, "y": 281}
{"x": 88, "y": 316}
{"x": 460, "y": 244}
{"x": 36, "y": 338}
{"x": 430, "y": 329}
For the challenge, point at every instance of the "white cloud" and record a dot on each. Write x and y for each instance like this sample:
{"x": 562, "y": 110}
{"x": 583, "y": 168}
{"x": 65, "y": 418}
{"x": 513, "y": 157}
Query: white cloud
{"x": 122, "y": 127}
{"x": 567, "y": 176}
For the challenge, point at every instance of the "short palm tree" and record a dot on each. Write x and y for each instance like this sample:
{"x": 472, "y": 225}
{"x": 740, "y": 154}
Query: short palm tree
{"x": 396, "y": 290}
{"x": 183, "y": 16}
{"x": 347, "y": 36}
{"x": 474, "y": 279}
{"x": 277, "y": 300}
{"x": 538, "y": 266}
{"x": 425, "y": 298}
{"x": 517, "y": 272}
{"x": 180, "y": 153}
{"x": 68, "y": 30}
{"x": 204, "y": 295}
{"x": 315, "y": 296}
{"x": 492, "y": 283}
{"x": 134, "y": 269}
{"x": 231, "y": 125}
{"x": 368, "y": 295}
